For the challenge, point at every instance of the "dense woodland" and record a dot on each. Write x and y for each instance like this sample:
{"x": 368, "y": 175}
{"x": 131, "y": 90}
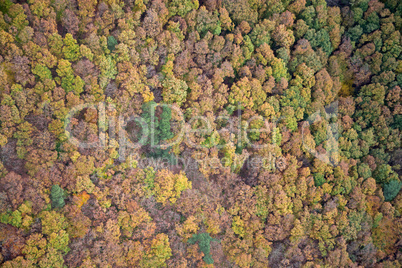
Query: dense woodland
{"x": 259, "y": 63}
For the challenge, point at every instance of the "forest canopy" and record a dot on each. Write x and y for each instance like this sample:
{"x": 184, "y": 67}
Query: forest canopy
{"x": 200, "y": 133}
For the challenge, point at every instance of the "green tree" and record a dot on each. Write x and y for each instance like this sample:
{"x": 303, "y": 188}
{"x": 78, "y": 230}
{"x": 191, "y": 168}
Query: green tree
{"x": 57, "y": 196}
{"x": 52, "y": 222}
{"x": 69, "y": 82}
{"x": 397, "y": 122}
{"x": 158, "y": 129}
{"x": 319, "y": 179}
{"x": 279, "y": 69}
{"x": 181, "y": 8}
{"x": 391, "y": 189}
{"x": 107, "y": 65}
{"x": 261, "y": 33}
{"x": 55, "y": 42}
{"x": 355, "y": 33}
{"x": 14, "y": 218}
{"x": 371, "y": 23}
{"x": 159, "y": 252}
{"x": 71, "y": 49}
{"x": 320, "y": 39}
{"x": 384, "y": 173}
{"x": 274, "y": 7}
{"x": 364, "y": 171}
{"x": 42, "y": 72}
{"x": 204, "y": 243}
{"x": 164, "y": 124}
{"x": 59, "y": 241}
{"x": 207, "y": 21}
{"x": 308, "y": 15}
{"x": 111, "y": 43}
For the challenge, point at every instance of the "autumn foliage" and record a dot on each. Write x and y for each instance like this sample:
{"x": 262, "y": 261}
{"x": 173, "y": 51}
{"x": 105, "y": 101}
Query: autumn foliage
{"x": 291, "y": 156}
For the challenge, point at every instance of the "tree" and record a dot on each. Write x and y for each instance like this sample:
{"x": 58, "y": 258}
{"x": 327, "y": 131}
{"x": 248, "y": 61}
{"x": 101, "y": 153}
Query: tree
{"x": 158, "y": 130}
{"x": 70, "y": 21}
{"x": 283, "y": 37}
{"x": 261, "y": 33}
{"x": 130, "y": 221}
{"x": 371, "y": 23}
{"x": 308, "y": 15}
{"x": 364, "y": 170}
{"x": 181, "y": 8}
{"x": 68, "y": 81}
{"x": 207, "y": 22}
{"x": 57, "y": 196}
{"x": 111, "y": 43}
{"x": 204, "y": 243}
{"x": 164, "y": 124}
{"x": 279, "y": 69}
{"x": 71, "y": 49}
{"x": 319, "y": 179}
{"x": 174, "y": 90}
{"x": 35, "y": 247}
{"x": 86, "y": 8}
{"x": 240, "y": 94}
{"x": 355, "y": 33}
{"x": 188, "y": 228}
{"x": 391, "y": 189}
{"x": 152, "y": 23}
{"x": 242, "y": 10}
{"x": 158, "y": 253}
{"x": 22, "y": 70}
{"x": 320, "y": 39}
{"x": 107, "y": 65}
{"x": 384, "y": 173}
{"x": 169, "y": 186}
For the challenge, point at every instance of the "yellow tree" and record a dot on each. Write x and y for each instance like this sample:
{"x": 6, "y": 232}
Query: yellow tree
{"x": 168, "y": 186}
